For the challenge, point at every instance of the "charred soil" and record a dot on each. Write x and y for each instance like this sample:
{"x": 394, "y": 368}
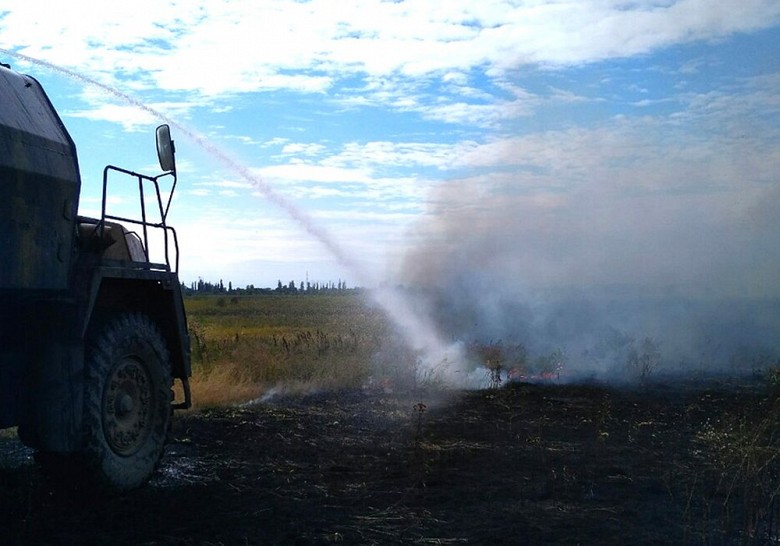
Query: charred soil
{"x": 525, "y": 464}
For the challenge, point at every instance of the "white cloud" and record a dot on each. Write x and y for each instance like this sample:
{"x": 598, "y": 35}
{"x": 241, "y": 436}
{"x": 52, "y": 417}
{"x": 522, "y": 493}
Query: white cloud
{"x": 390, "y": 154}
{"x": 314, "y": 173}
{"x": 228, "y": 184}
{"x": 300, "y": 148}
{"x": 132, "y": 119}
{"x": 215, "y": 47}
{"x": 463, "y": 63}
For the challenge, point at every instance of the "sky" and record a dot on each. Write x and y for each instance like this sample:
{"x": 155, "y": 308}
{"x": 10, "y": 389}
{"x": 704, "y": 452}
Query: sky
{"x": 585, "y": 136}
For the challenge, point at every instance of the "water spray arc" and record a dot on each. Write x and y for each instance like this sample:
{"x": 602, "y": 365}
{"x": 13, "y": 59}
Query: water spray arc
{"x": 296, "y": 214}
{"x": 417, "y": 330}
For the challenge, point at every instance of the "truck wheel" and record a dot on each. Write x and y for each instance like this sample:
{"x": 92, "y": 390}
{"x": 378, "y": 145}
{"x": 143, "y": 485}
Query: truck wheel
{"x": 127, "y": 402}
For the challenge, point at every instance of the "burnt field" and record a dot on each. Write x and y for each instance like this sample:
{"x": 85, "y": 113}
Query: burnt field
{"x": 694, "y": 462}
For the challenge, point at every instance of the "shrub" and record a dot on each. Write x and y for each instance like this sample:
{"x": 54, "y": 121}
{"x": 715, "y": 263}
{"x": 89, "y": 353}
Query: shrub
{"x": 644, "y": 360}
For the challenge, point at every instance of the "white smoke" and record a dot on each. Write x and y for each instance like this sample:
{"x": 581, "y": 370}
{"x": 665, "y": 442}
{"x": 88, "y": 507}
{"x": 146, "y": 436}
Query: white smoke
{"x": 595, "y": 273}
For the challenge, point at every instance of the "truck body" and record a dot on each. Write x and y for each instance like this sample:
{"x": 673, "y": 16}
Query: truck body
{"x": 92, "y": 324}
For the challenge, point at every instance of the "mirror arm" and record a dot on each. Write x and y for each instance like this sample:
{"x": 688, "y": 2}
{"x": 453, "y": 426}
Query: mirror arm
{"x": 170, "y": 195}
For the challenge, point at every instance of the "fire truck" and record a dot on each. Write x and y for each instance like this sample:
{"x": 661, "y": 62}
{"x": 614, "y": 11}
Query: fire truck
{"x": 93, "y": 332}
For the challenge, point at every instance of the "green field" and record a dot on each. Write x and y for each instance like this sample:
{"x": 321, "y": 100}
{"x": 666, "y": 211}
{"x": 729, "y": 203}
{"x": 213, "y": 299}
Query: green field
{"x": 242, "y": 346}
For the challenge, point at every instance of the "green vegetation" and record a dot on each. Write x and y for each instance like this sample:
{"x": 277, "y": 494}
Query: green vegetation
{"x": 243, "y": 346}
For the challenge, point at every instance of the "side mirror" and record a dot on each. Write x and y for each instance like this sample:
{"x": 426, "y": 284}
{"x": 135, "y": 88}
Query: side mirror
{"x": 165, "y": 149}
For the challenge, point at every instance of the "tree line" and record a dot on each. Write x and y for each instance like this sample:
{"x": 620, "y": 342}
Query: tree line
{"x": 202, "y": 287}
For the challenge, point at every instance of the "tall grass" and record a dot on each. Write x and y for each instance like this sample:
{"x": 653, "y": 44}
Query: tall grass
{"x": 242, "y": 346}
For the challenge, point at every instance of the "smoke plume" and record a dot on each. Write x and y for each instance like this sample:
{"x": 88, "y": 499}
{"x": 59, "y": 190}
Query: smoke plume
{"x": 614, "y": 282}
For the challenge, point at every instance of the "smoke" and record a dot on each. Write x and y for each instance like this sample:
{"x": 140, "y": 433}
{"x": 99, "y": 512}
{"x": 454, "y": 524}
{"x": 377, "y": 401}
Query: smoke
{"x": 609, "y": 281}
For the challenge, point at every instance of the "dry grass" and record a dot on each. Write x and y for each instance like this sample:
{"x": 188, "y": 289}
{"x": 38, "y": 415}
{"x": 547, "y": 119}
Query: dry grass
{"x": 745, "y": 449}
{"x": 243, "y": 347}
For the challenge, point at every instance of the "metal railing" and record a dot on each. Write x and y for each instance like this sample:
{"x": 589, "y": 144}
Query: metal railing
{"x": 169, "y": 234}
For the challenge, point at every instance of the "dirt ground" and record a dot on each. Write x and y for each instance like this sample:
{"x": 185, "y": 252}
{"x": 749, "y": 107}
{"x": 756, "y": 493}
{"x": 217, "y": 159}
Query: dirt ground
{"x": 525, "y": 464}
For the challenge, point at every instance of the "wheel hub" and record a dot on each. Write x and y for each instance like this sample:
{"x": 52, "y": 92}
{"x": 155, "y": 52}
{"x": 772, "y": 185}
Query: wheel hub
{"x": 127, "y": 407}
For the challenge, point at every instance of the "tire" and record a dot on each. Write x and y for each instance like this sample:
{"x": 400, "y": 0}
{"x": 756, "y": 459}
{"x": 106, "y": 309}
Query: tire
{"x": 127, "y": 401}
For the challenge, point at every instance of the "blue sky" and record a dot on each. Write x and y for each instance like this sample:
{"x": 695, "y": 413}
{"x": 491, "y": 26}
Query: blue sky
{"x": 556, "y": 144}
